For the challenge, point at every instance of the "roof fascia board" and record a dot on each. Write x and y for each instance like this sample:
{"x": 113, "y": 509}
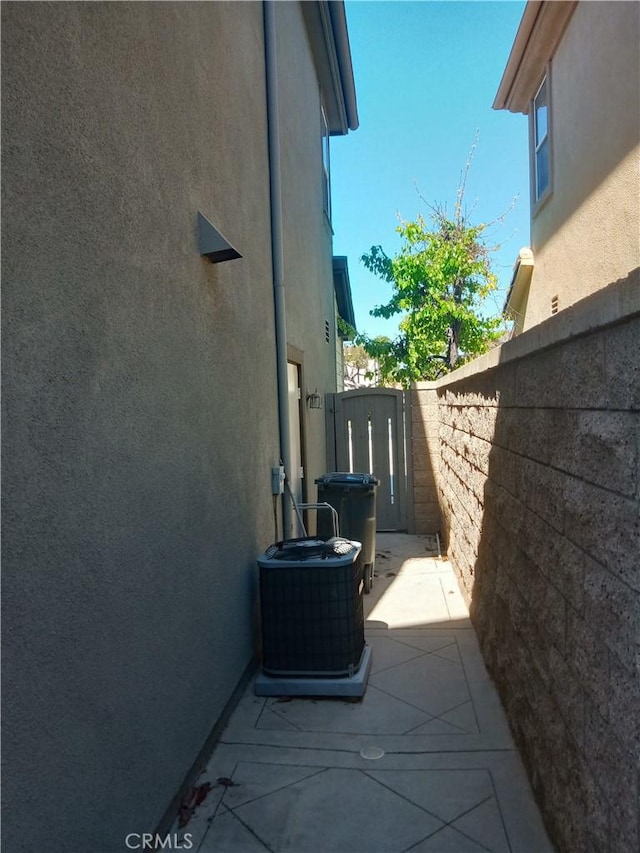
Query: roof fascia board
{"x": 343, "y": 49}
{"x": 516, "y": 300}
{"x": 541, "y": 28}
{"x": 330, "y": 49}
{"x": 342, "y": 287}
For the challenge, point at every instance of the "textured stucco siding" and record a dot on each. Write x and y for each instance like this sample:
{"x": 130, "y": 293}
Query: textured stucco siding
{"x": 587, "y": 231}
{"x": 339, "y": 349}
{"x": 310, "y": 303}
{"x": 139, "y": 400}
{"x": 539, "y": 486}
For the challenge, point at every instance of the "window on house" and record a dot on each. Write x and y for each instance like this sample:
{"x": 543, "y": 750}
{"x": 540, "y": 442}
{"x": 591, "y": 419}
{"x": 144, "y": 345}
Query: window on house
{"x": 326, "y": 173}
{"x": 541, "y": 158}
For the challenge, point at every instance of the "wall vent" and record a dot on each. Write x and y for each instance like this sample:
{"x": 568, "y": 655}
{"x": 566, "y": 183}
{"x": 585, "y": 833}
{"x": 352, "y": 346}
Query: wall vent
{"x": 212, "y": 244}
{"x": 327, "y": 332}
{"x": 554, "y": 304}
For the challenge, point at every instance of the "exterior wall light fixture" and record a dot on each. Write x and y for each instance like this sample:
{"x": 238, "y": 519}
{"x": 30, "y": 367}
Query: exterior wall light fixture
{"x": 211, "y": 243}
{"x": 314, "y": 401}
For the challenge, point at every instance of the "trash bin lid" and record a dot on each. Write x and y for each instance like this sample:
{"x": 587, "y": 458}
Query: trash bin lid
{"x": 345, "y": 478}
{"x": 311, "y": 552}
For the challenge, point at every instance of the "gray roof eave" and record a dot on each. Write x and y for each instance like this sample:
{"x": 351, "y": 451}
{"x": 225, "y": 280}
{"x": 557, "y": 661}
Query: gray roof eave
{"x": 541, "y": 29}
{"x": 326, "y": 25}
{"x": 342, "y": 287}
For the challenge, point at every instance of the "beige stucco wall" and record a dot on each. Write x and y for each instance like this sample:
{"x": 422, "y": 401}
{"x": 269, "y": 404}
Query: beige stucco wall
{"x": 307, "y": 231}
{"x": 339, "y": 351}
{"x": 587, "y": 231}
{"x": 139, "y": 391}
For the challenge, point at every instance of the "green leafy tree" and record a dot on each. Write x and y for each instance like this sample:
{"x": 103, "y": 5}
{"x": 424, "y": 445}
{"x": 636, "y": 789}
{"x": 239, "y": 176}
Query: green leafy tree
{"x": 440, "y": 279}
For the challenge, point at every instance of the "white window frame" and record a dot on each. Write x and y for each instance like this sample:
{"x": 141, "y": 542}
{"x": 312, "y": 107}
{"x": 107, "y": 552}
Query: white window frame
{"x": 326, "y": 164}
{"x": 538, "y": 144}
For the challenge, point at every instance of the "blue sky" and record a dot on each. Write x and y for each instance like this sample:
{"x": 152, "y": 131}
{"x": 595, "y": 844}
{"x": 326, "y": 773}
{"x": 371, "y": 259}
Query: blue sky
{"x": 426, "y": 74}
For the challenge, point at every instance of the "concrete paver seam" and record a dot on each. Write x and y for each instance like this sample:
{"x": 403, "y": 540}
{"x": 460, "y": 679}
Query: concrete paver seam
{"x": 497, "y": 798}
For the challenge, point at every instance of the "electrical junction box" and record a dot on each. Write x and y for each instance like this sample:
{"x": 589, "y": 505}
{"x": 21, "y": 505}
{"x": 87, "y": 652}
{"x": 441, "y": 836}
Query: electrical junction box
{"x": 277, "y": 480}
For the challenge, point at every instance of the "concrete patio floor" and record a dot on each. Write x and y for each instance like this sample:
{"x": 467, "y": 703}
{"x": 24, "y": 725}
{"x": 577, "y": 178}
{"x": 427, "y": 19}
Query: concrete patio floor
{"x": 423, "y": 763}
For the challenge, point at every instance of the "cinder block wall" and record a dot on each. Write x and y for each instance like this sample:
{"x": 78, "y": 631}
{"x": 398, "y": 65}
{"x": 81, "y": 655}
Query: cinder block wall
{"x": 538, "y": 482}
{"x": 424, "y": 445}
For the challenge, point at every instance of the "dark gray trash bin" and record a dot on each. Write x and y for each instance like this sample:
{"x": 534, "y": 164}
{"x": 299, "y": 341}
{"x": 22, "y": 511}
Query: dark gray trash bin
{"x": 353, "y": 496}
{"x": 311, "y": 608}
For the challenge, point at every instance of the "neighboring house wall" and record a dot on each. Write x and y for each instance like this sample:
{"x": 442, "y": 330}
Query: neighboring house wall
{"x": 586, "y": 232}
{"x": 140, "y": 415}
{"x": 343, "y": 314}
{"x": 339, "y": 344}
{"x": 355, "y": 377}
{"x": 539, "y": 489}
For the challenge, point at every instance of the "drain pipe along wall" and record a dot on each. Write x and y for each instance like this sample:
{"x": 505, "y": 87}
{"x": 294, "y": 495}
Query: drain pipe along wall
{"x": 277, "y": 251}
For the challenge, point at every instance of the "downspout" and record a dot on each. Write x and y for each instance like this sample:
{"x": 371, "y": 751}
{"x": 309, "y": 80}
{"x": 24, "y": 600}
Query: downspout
{"x": 277, "y": 250}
